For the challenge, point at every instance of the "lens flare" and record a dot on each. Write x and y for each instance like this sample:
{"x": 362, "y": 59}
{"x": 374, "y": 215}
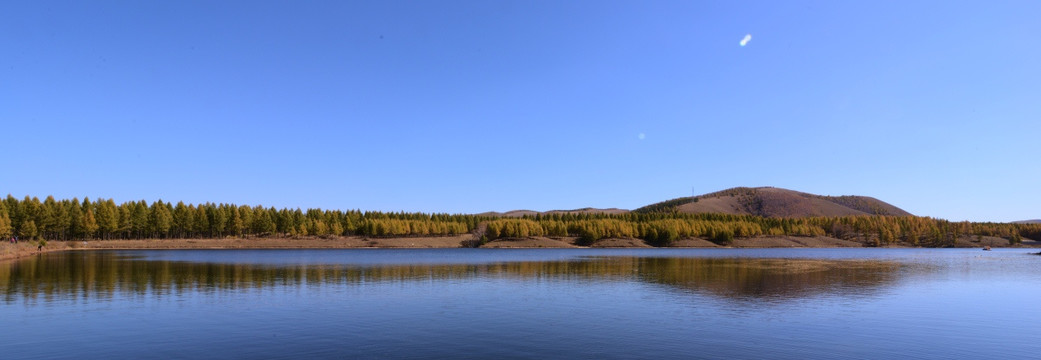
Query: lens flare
{"x": 746, "y": 39}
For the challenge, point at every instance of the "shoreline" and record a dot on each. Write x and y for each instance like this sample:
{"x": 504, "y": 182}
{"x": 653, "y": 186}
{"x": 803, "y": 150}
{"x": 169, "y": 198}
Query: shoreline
{"x": 23, "y": 249}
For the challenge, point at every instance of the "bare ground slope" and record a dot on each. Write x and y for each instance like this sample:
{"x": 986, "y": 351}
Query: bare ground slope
{"x": 620, "y": 243}
{"x": 694, "y": 243}
{"x": 531, "y": 242}
{"x": 793, "y": 241}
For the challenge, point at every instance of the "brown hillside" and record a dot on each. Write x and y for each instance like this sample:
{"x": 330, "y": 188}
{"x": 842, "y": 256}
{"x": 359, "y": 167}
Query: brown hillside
{"x": 611, "y": 211}
{"x": 776, "y": 202}
{"x": 522, "y": 213}
{"x": 511, "y": 213}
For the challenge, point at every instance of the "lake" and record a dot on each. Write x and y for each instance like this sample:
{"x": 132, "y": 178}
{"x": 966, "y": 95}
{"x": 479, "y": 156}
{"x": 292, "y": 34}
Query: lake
{"x": 523, "y": 303}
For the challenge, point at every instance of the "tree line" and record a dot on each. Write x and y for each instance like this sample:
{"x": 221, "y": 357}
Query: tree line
{"x": 73, "y": 219}
{"x": 50, "y": 219}
{"x": 663, "y": 228}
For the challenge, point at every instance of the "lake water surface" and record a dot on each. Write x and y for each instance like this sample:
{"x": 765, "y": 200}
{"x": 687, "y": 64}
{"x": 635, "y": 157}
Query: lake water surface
{"x": 531, "y": 303}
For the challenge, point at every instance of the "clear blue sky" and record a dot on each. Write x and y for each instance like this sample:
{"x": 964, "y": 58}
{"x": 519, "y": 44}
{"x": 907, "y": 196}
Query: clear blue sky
{"x": 462, "y": 107}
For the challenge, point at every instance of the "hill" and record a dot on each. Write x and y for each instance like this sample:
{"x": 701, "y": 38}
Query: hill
{"x": 1035, "y": 221}
{"x": 522, "y": 213}
{"x": 775, "y": 202}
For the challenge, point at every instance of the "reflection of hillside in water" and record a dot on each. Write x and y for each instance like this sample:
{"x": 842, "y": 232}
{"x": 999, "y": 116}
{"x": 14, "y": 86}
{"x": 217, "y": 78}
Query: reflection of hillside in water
{"x": 103, "y": 275}
{"x": 778, "y": 279}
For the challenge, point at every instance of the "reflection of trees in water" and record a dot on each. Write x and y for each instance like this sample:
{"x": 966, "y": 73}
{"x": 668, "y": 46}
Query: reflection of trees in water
{"x": 749, "y": 278}
{"x": 102, "y": 275}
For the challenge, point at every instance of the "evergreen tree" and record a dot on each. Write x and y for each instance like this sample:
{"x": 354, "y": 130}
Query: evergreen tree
{"x": 125, "y": 220}
{"x": 263, "y": 223}
{"x": 160, "y": 219}
{"x": 47, "y": 222}
{"x": 201, "y": 222}
{"x": 6, "y": 230}
{"x": 75, "y": 220}
{"x": 90, "y": 224}
{"x": 335, "y": 229}
{"x": 64, "y": 220}
{"x": 28, "y": 230}
{"x": 140, "y": 225}
{"x": 30, "y": 212}
{"x": 182, "y": 219}
{"x": 107, "y": 218}
{"x": 246, "y": 217}
{"x": 218, "y": 219}
{"x": 234, "y": 221}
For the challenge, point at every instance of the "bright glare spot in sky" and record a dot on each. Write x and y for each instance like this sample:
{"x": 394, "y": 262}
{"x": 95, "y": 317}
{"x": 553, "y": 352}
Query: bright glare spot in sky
{"x": 746, "y": 39}
{"x": 642, "y": 136}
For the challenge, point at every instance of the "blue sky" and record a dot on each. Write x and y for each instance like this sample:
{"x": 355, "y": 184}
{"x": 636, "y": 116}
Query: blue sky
{"x": 463, "y": 107}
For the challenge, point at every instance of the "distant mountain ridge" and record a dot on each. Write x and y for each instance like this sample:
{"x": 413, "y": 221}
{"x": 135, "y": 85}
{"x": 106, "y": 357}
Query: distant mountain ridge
{"x": 760, "y": 201}
{"x": 1035, "y": 221}
{"x": 588, "y": 210}
{"x": 776, "y": 202}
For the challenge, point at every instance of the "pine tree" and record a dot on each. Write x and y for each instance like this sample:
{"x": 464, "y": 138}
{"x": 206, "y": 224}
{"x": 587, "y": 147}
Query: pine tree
{"x": 30, "y": 212}
{"x": 262, "y": 221}
{"x": 160, "y": 219}
{"x": 48, "y": 221}
{"x": 181, "y": 223}
{"x": 125, "y": 220}
{"x": 139, "y": 220}
{"x": 90, "y": 224}
{"x": 201, "y": 222}
{"x": 107, "y": 217}
{"x": 218, "y": 220}
{"x": 335, "y": 229}
{"x": 246, "y": 217}
{"x": 234, "y": 221}
{"x": 6, "y": 230}
{"x": 75, "y": 220}
{"x": 28, "y": 230}
{"x": 62, "y": 220}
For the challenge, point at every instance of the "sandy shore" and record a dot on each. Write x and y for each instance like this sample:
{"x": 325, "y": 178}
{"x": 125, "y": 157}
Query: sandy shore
{"x": 13, "y": 251}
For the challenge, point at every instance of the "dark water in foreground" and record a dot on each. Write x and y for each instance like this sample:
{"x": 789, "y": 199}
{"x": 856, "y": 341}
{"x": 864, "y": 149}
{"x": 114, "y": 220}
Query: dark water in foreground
{"x": 537, "y": 303}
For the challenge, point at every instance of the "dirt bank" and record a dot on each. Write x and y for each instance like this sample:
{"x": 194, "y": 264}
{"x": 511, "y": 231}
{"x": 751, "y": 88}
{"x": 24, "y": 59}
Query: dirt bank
{"x": 620, "y": 243}
{"x": 532, "y": 242}
{"x": 793, "y": 241}
{"x": 10, "y": 251}
{"x": 13, "y": 251}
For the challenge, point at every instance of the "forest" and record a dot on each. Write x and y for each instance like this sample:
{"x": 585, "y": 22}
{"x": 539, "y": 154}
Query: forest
{"x": 102, "y": 219}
